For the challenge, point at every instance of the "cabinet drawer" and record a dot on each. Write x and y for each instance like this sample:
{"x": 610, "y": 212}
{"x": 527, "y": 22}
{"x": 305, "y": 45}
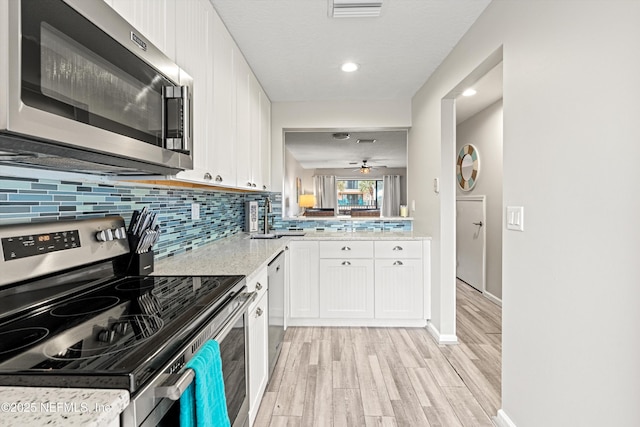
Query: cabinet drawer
{"x": 399, "y": 249}
{"x": 346, "y": 249}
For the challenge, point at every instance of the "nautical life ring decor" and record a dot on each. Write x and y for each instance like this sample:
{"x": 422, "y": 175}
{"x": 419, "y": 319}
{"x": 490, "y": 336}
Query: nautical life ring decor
{"x": 467, "y": 167}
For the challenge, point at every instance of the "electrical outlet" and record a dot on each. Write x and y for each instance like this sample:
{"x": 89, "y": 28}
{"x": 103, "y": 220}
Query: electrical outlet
{"x": 195, "y": 211}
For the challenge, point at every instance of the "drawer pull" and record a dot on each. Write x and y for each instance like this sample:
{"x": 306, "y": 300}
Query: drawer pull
{"x": 398, "y": 263}
{"x": 346, "y": 248}
{"x": 258, "y": 312}
{"x": 346, "y": 263}
{"x": 397, "y": 248}
{"x": 258, "y": 286}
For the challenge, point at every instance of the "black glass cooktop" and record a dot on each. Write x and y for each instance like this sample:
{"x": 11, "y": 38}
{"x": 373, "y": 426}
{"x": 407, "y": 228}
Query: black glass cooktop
{"x": 114, "y": 336}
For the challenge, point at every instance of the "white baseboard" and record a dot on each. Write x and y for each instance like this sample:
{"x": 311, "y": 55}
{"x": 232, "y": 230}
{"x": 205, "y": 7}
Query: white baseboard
{"x": 374, "y": 323}
{"x": 494, "y": 299}
{"x": 503, "y": 420}
{"x": 441, "y": 338}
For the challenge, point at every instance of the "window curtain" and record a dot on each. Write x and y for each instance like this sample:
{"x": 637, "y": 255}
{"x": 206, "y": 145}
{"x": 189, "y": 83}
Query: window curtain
{"x": 391, "y": 196}
{"x": 326, "y": 191}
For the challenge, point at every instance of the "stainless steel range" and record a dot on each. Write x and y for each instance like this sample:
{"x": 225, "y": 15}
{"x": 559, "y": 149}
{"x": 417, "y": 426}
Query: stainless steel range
{"x": 68, "y": 320}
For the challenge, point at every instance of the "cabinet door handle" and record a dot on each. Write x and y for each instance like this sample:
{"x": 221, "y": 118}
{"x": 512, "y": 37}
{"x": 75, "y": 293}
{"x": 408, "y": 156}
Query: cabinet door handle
{"x": 346, "y": 248}
{"x": 397, "y": 248}
{"x": 258, "y": 286}
{"x": 258, "y": 312}
{"x": 218, "y": 178}
{"x": 398, "y": 263}
{"x": 346, "y": 263}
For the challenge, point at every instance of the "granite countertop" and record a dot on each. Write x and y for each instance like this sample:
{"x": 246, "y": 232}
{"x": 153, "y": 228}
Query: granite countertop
{"x": 238, "y": 254}
{"x": 64, "y": 407}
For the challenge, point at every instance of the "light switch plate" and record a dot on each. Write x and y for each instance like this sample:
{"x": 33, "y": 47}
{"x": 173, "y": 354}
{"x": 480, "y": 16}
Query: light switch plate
{"x": 515, "y": 218}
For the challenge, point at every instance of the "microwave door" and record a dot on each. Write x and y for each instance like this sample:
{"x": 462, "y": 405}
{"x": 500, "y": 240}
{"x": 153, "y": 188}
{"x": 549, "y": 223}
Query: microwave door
{"x": 85, "y": 90}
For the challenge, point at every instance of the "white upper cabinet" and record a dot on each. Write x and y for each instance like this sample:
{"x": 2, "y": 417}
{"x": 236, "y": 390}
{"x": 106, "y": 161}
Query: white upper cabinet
{"x": 231, "y": 111}
{"x": 154, "y": 18}
{"x": 243, "y": 133}
{"x": 265, "y": 141}
{"x": 222, "y": 147}
{"x": 193, "y": 40}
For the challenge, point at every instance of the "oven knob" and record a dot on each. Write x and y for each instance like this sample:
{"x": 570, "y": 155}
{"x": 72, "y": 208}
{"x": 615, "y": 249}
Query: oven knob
{"x": 104, "y": 235}
{"x": 106, "y": 336}
{"x": 120, "y": 233}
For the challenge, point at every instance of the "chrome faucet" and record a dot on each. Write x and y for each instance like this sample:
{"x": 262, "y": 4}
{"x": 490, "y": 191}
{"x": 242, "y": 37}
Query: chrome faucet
{"x": 267, "y": 211}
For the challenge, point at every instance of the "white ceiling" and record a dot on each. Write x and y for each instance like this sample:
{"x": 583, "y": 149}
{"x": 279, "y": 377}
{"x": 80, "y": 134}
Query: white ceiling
{"x": 319, "y": 150}
{"x": 295, "y": 49}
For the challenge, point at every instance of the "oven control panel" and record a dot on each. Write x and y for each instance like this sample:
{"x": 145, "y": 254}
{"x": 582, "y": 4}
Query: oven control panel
{"x": 25, "y": 246}
{"x": 35, "y": 249}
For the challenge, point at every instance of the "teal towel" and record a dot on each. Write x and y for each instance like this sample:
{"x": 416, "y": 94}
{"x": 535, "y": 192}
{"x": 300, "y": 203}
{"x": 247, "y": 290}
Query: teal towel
{"x": 203, "y": 404}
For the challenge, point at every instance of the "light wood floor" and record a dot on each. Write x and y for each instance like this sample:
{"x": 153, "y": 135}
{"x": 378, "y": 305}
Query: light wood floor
{"x": 347, "y": 377}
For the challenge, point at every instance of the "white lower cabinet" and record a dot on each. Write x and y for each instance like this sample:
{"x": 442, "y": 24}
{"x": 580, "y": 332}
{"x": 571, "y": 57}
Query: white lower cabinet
{"x": 303, "y": 279}
{"x": 399, "y": 289}
{"x": 346, "y": 288}
{"x": 258, "y": 336}
{"x": 359, "y": 283}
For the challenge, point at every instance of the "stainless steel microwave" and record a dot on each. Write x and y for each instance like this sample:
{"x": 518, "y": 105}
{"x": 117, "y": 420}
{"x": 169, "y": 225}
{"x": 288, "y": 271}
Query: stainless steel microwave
{"x": 82, "y": 90}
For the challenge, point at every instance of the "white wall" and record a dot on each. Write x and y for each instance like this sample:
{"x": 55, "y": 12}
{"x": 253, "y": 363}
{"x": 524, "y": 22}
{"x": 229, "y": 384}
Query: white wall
{"x": 571, "y": 285}
{"x": 484, "y": 131}
{"x": 339, "y": 115}
{"x": 293, "y": 170}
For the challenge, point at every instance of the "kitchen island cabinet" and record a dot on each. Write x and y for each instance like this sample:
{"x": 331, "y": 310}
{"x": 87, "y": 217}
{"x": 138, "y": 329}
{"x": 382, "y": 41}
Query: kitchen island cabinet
{"x": 304, "y": 279}
{"x": 359, "y": 283}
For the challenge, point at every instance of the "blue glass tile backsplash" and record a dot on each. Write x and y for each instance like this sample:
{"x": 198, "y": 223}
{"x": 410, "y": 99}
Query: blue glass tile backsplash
{"x": 221, "y": 213}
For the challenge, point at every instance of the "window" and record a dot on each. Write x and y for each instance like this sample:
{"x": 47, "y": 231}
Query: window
{"x": 358, "y": 194}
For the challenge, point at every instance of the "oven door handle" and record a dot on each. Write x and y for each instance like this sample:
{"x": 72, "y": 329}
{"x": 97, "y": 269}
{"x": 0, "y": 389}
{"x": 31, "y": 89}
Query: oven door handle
{"x": 175, "y": 390}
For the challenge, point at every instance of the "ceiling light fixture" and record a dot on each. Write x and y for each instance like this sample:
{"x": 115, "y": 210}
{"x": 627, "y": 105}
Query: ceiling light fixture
{"x": 365, "y": 168}
{"x": 349, "y": 67}
{"x": 355, "y": 8}
{"x": 469, "y": 92}
{"x": 341, "y": 136}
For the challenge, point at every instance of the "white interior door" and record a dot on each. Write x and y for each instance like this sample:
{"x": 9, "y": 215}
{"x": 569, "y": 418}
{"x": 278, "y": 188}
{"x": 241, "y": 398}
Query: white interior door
{"x": 470, "y": 240}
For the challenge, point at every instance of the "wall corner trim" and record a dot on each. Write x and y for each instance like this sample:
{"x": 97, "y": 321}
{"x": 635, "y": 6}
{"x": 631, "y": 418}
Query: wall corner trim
{"x": 442, "y": 339}
{"x": 503, "y": 420}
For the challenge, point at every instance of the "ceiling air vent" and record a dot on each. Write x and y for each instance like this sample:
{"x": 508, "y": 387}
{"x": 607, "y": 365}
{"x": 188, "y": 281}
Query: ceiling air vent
{"x": 354, "y": 8}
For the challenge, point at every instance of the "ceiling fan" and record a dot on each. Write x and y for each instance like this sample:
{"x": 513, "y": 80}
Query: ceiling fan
{"x": 365, "y": 168}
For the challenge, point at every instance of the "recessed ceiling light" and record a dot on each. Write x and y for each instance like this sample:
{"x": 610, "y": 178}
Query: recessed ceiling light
{"x": 341, "y": 136}
{"x": 469, "y": 92}
{"x": 349, "y": 67}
